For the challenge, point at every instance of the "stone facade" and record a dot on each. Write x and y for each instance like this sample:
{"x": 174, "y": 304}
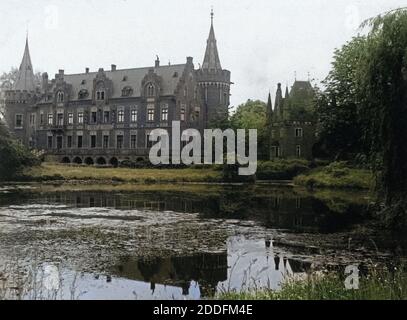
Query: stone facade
{"x": 292, "y": 122}
{"x": 106, "y": 116}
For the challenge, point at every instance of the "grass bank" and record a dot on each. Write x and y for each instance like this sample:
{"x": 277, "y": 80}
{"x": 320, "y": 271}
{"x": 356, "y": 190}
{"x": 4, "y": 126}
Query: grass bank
{"x": 54, "y": 172}
{"x": 377, "y": 286}
{"x": 336, "y": 175}
{"x": 281, "y": 169}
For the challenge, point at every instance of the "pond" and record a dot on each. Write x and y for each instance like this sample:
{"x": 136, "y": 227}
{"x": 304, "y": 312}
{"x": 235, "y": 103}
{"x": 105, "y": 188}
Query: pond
{"x": 175, "y": 241}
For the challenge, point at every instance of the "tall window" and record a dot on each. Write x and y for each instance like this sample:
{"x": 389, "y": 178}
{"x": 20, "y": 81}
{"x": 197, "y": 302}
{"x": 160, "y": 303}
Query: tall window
{"x": 49, "y": 142}
{"x": 59, "y": 142}
{"x": 80, "y": 117}
{"x": 150, "y": 90}
{"x": 133, "y": 115}
{"x": 19, "y": 120}
{"x": 93, "y": 141}
{"x": 105, "y": 141}
{"x": 182, "y": 114}
{"x": 119, "y": 141}
{"x": 164, "y": 114}
{"x": 94, "y": 116}
{"x": 60, "y": 97}
{"x": 150, "y": 114}
{"x": 298, "y": 151}
{"x": 120, "y": 116}
{"x": 60, "y": 118}
{"x": 100, "y": 94}
{"x": 69, "y": 142}
{"x": 32, "y": 119}
{"x": 106, "y": 117}
{"x": 80, "y": 142}
{"x": 70, "y": 118}
{"x": 42, "y": 118}
{"x": 133, "y": 141}
{"x": 149, "y": 143}
{"x": 298, "y": 132}
{"x": 50, "y": 119}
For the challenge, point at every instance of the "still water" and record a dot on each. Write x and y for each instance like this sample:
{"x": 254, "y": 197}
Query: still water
{"x": 171, "y": 242}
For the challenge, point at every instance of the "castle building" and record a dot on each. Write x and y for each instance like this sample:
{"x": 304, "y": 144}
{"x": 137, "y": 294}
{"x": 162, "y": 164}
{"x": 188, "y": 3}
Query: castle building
{"x": 106, "y": 116}
{"x": 292, "y": 122}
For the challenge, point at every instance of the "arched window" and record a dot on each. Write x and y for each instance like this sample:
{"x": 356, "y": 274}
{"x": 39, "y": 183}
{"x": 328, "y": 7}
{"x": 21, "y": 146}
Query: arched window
{"x": 60, "y": 96}
{"x": 150, "y": 90}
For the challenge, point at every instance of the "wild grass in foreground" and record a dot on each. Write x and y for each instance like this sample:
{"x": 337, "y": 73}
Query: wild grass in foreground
{"x": 376, "y": 286}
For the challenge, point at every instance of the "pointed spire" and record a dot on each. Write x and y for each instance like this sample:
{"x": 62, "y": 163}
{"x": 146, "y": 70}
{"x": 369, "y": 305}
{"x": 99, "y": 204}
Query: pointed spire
{"x": 269, "y": 104}
{"x": 25, "y": 76}
{"x": 211, "y": 60}
{"x": 286, "y": 92}
{"x": 278, "y": 104}
{"x": 269, "y": 108}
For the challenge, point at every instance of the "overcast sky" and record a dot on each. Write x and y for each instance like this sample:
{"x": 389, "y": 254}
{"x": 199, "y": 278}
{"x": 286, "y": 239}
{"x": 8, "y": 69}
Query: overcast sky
{"x": 262, "y": 42}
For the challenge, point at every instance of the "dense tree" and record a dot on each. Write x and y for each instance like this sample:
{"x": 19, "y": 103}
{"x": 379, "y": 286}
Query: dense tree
{"x": 13, "y": 155}
{"x": 337, "y": 107}
{"x": 252, "y": 115}
{"x": 382, "y": 92}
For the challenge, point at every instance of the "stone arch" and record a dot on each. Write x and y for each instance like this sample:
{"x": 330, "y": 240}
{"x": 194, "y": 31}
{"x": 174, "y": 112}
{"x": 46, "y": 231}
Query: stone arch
{"x": 77, "y": 160}
{"x": 101, "y": 161}
{"x": 114, "y": 162}
{"x": 66, "y": 160}
{"x": 89, "y": 161}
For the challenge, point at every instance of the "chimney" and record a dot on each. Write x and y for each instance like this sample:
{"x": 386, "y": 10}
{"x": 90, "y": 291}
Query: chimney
{"x": 87, "y": 70}
{"x": 44, "y": 81}
{"x": 157, "y": 62}
{"x": 190, "y": 60}
{"x": 114, "y": 67}
{"x": 61, "y": 72}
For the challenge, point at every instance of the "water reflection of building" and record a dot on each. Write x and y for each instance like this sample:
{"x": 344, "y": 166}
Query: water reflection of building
{"x": 207, "y": 269}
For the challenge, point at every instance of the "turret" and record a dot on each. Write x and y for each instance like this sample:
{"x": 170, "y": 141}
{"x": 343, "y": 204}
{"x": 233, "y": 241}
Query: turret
{"x": 278, "y": 104}
{"x": 214, "y": 82}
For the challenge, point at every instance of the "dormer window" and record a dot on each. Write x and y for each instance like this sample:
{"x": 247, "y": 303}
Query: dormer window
{"x": 83, "y": 94}
{"x": 60, "y": 97}
{"x": 127, "y": 91}
{"x": 100, "y": 95}
{"x": 150, "y": 90}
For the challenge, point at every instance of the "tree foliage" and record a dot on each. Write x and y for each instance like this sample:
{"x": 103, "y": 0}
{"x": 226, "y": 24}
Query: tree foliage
{"x": 13, "y": 155}
{"x": 337, "y": 106}
{"x": 363, "y": 108}
{"x": 382, "y": 92}
{"x": 253, "y": 115}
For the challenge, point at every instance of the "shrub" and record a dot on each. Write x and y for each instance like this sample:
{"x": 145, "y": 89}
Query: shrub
{"x": 13, "y": 156}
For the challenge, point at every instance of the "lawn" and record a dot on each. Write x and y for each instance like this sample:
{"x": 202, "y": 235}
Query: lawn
{"x": 54, "y": 171}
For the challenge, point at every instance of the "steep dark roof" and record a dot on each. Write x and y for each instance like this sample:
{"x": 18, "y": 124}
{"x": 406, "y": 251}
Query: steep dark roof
{"x": 25, "y": 76}
{"x": 211, "y": 59}
{"x": 170, "y": 75}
